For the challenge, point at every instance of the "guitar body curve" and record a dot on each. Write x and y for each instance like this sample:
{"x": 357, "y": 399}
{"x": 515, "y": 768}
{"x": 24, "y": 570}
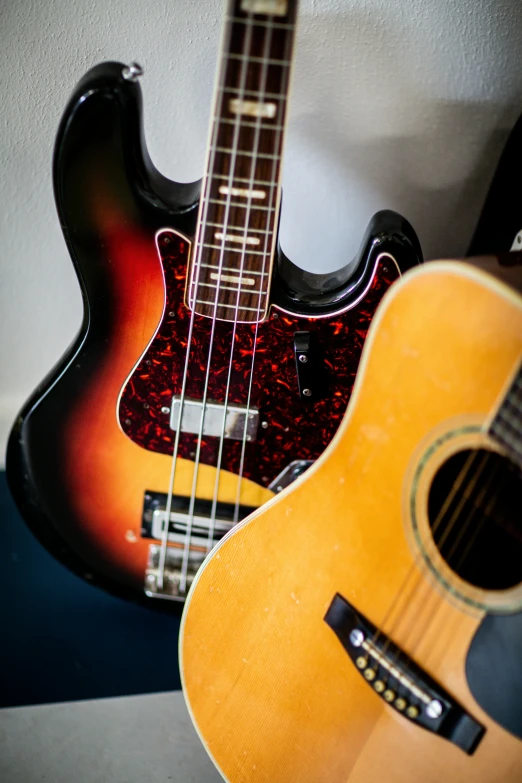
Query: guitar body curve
{"x": 93, "y": 444}
{"x": 280, "y": 699}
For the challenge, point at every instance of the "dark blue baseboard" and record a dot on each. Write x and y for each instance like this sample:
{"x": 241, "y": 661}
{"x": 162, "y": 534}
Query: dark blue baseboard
{"x": 63, "y": 639}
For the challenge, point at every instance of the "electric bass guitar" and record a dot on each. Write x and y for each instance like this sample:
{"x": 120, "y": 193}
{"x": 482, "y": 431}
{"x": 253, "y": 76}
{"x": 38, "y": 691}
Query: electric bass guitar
{"x": 209, "y": 370}
{"x": 375, "y": 604}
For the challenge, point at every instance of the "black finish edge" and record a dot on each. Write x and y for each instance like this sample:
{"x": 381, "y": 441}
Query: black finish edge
{"x": 310, "y": 294}
{"x": 106, "y": 79}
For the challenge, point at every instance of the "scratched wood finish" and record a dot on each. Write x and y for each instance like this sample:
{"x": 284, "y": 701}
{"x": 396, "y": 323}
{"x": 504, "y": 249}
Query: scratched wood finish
{"x": 230, "y": 276}
{"x": 278, "y": 699}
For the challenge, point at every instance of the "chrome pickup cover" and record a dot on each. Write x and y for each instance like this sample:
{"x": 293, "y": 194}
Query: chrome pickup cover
{"x": 240, "y": 422}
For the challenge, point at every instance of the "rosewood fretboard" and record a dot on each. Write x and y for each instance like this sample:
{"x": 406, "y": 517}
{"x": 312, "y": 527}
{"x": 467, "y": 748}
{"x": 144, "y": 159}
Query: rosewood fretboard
{"x": 237, "y": 226}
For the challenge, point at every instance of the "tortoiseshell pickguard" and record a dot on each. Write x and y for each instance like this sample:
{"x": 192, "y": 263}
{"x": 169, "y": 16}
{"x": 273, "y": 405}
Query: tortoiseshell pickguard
{"x": 290, "y": 428}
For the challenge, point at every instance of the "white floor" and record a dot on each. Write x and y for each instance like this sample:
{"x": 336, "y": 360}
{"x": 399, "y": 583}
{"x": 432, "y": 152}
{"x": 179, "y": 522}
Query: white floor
{"x": 137, "y": 739}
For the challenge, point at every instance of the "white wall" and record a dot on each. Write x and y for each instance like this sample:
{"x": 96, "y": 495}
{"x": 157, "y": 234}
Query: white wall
{"x": 396, "y": 103}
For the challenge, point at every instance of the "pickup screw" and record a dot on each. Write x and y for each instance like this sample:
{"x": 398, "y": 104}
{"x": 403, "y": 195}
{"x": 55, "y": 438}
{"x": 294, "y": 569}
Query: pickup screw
{"x": 307, "y": 392}
{"x": 165, "y": 409}
{"x": 264, "y": 424}
{"x": 434, "y": 709}
{"x": 303, "y": 358}
{"x": 356, "y": 637}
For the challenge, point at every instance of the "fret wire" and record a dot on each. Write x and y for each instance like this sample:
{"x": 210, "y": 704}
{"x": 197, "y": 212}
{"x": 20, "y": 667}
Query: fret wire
{"x": 245, "y": 180}
{"x": 231, "y": 269}
{"x": 517, "y": 395}
{"x": 276, "y": 25}
{"x": 515, "y": 406}
{"x": 240, "y": 206}
{"x": 235, "y": 250}
{"x": 506, "y": 436}
{"x": 227, "y": 306}
{"x": 259, "y": 127}
{"x": 262, "y": 126}
{"x": 247, "y": 58}
{"x": 241, "y": 228}
{"x": 221, "y": 287}
{"x": 255, "y": 93}
{"x": 514, "y": 422}
{"x": 248, "y": 154}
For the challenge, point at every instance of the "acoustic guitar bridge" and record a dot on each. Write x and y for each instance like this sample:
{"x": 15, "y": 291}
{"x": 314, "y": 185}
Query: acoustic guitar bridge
{"x": 396, "y": 679}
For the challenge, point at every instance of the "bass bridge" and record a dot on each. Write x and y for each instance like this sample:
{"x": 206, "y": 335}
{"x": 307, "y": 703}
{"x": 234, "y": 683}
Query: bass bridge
{"x": 396, "y": 679}
{"x": 199, "y": 531}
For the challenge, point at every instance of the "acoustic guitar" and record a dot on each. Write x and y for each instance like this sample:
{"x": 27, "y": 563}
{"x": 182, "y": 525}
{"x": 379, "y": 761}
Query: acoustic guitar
{"x": 209, "y": 371}
{"x": 356, "y": 628}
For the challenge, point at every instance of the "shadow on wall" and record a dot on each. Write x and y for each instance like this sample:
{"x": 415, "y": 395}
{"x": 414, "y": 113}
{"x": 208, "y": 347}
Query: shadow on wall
{"x": 377, "y": 131}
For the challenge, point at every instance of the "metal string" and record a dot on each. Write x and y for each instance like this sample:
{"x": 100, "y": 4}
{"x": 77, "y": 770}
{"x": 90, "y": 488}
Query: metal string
{"x": 234, "y": 148}
{"x": 196, "y": 270}
{"x": 264, "y": 73}
{"x": 456, "y": 514}
{"x": 279, "y": 132}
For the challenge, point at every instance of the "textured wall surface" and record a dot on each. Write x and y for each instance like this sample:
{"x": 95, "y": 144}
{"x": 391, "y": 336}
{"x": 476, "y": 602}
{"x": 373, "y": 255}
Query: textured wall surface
{"x": 396, "y": 103}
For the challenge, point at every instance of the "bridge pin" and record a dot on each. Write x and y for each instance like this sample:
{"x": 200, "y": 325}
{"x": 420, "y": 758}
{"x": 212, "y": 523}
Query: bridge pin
{"x": 361, "y": 662}
{"x": 389, "y": 695}
{"x": 379, "y": 686}
{"x": 412, "y": 712}
{"x": 400, "y": 704}
{"x": 369, "y": 674}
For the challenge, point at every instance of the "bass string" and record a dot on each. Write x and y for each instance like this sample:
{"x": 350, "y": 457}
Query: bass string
{"x": 257, "y": 131}
{"x": 201, "y": 223}
{"x": 274, "y": 192}
{"x": 233, "y": 159}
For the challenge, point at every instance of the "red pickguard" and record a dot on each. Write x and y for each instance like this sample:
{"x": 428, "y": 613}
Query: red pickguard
{"x": 297, "y": 430}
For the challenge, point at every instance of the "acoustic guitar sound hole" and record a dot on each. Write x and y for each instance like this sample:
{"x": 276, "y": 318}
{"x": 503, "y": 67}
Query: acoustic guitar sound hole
{"x": 475, "y": 516}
